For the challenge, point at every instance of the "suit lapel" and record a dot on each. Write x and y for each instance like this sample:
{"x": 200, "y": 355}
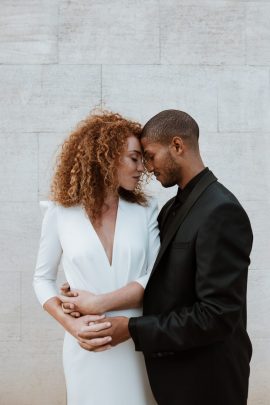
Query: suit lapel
{"x": 200, "y": 187}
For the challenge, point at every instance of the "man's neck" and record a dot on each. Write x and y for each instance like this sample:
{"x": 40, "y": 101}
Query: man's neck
{"x": 190, "y": 173}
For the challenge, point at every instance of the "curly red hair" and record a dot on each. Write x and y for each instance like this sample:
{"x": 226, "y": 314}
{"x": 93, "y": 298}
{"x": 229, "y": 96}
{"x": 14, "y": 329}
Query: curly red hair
{"x": 87, "y": 164}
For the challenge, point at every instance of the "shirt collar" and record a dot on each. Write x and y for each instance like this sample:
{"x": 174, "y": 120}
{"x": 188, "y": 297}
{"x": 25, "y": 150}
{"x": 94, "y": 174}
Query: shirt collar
{"x": 182, "y": 194}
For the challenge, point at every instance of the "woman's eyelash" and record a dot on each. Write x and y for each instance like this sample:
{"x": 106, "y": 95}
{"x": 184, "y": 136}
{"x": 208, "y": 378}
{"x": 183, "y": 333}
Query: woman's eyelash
{"x": 134, "y": 159}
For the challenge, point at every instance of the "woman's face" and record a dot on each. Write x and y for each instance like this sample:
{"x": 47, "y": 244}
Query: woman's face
{"x": 130, "y": 165}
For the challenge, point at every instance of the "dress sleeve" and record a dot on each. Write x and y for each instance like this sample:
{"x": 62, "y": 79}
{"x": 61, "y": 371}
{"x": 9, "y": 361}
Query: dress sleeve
{"x": 49, "y": 255}
{"x": 153, "y": 240}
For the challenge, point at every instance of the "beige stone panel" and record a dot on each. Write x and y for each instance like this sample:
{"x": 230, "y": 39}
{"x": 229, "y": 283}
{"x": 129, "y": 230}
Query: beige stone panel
{"x": 48, "y": 98}
{"x": 244, "y": 99}
{"x": 28, "y": 31}
{"x": 142, "y": 91}
{"x": 240, "y": 161}
{"x": 117, "y": 32}
{"x": 259, "y": 393}
{"x": 37, "y": 324}
{"x": 259, "y": 304}
{"x": 49, "y": 148}
{"x": 202, "y": 33}
{"x": 19, "y": 236}
{"x": 19, "y": 159}
{"x": 32, "y": 374}
{"x": 10, "y": 306}
{"x": 258, "y": 212}
{"x": 258, "y": 33}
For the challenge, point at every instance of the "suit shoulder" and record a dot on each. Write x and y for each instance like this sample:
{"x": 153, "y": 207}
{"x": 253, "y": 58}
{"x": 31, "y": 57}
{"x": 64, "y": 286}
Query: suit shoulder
{"x": 219, "y": 199}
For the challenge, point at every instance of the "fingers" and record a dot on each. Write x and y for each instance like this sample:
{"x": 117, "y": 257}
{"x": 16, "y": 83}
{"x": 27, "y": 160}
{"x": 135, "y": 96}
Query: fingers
{"x": 65, "y": 299}
{"x": 75, "y": 314}
{"x": 93, "y": 318}
{"x": 65, "y": 290}
{"x": 65, "y": 286}
{"x": 96, "y": 327}
{"x": 90, "y": 331}
{"x": 94, "y": 344}
{"x": 68, "y": 306}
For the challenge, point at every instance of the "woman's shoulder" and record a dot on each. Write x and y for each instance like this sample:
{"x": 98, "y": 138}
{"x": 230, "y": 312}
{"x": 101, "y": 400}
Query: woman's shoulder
{"x": 49, "y": 207}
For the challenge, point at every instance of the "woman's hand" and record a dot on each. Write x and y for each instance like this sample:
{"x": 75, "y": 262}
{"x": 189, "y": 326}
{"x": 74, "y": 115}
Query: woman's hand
{"x": 76, "y": 326}
{"x": 80, "y": 302}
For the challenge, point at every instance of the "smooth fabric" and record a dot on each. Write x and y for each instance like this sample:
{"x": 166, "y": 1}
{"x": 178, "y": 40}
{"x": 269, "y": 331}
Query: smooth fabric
{"x": 116, "y": 376}
{"x": 193, "y": 329}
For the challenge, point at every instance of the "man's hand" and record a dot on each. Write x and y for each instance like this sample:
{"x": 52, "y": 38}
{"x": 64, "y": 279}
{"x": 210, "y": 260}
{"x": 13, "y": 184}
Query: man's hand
{"x": 118, "y": 331}
{"x": 65, "y": 290}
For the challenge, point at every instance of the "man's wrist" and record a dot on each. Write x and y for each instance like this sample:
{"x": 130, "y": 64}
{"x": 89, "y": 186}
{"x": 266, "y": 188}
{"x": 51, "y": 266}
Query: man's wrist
{"x": 132, "y": 328}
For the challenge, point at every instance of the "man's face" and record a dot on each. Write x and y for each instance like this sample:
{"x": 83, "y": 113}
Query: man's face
{"x": 158, "y": 160}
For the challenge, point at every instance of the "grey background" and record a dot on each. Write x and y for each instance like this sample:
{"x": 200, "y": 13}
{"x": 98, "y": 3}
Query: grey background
{"x": 58, "y": 60}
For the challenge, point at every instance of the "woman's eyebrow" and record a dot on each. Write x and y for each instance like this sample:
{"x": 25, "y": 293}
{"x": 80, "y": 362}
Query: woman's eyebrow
{"x": 136, "y": 151}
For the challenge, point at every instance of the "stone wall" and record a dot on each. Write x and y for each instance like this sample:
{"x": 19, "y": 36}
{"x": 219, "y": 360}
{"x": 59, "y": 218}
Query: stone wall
{"x": 58, "y": 60}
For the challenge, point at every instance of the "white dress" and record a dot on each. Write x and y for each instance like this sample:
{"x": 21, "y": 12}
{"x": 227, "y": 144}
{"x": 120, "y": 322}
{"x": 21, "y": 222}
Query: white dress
{"x": 116, "y": 376}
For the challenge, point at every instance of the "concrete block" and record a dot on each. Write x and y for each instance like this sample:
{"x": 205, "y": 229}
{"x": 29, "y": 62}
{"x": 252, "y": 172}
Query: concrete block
{"x": 244, "y": 99}
{"x": 10, "y": 326}
{"x": 142, "y": 91}
{"x": 28, "y": 32}
{"x": 32, "y": 374}
{"x": 258, "y": 33}
{"x": 18, "y": 156}
{"x": 36, "y": 324}
{"x": 109, "y": 32}
{"x": 258, "y": 304}
{"x": 49, "y": 148}
{"x": 259, "y": 393}
{"x": 19, "y": 236}
{"x": 204, "y": 32}
{"x": 49, "y": 98}
{"x": 258, "y": 212}
{"x": 234, "y": 157}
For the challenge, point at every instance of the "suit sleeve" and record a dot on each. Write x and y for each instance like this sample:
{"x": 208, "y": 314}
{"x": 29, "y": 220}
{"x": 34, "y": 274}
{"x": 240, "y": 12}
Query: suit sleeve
{"x": 49, "y": 255}
{"x": 153, "y": 241}
{"x": 223, "y": 247}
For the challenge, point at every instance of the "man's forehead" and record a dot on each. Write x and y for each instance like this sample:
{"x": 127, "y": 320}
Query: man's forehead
{"x": 149, "y": 146}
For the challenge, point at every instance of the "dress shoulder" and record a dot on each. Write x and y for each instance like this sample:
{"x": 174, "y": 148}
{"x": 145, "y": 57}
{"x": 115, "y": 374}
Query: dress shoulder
{"x": 47, "y": 206}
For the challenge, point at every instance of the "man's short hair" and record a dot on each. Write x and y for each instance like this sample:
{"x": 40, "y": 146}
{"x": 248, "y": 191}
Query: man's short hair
{"x": 169, "y": 123}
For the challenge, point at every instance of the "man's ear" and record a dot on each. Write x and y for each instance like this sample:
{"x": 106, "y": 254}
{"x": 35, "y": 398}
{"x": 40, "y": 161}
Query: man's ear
{"x": 177, "y": 145}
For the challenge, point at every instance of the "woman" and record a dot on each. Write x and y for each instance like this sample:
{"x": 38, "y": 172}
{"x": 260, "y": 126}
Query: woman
{"x": 104, "y": 229}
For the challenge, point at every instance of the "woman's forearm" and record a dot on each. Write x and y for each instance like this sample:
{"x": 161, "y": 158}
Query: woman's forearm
{"x": 53, "y": 307}
{"x": 126, "y": 297}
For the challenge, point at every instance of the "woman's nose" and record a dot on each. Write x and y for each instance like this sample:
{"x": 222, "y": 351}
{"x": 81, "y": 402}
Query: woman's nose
{"x": 140, "y": 166}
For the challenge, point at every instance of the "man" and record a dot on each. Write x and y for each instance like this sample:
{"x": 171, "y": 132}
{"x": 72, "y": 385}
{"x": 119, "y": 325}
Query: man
{"x": 193, "y": 329}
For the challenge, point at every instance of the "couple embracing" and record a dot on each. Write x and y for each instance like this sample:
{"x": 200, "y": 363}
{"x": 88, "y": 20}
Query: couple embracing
{"x": 166, "y": 291}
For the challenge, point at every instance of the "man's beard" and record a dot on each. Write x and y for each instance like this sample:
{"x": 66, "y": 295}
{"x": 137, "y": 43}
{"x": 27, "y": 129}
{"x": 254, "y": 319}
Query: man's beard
{"x": 171, "y": 173}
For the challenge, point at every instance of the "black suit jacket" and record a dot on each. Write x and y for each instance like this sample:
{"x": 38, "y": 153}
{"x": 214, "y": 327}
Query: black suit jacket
{"x": 193, "y": 328}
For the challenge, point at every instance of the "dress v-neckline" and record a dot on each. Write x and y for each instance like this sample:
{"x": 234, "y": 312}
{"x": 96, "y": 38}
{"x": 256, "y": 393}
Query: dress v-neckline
{"x": 110, "y": 263}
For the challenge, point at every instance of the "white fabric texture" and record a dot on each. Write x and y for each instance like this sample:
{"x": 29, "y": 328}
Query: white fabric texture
{"x": 116, "y": 376}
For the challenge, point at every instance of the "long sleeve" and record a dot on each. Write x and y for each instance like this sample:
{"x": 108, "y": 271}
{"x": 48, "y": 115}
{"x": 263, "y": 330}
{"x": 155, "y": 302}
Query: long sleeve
{"x": 49, "y": 255}
{"x": 153, "y": 240}
{"x": 222, "y": 255}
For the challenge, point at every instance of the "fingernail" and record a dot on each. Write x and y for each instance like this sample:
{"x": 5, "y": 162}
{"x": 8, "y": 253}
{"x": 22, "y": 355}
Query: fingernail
{"x": 109, "y": 339}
